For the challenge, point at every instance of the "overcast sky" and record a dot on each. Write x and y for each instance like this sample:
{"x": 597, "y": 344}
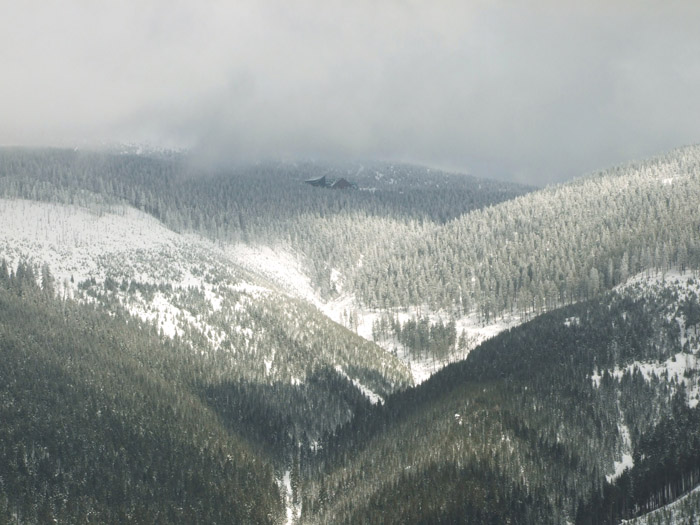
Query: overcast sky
{"x": 533, "y": 91}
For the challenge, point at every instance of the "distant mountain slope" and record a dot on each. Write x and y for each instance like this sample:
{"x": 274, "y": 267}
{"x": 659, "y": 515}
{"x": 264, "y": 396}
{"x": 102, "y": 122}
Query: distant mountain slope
{"x": 413, "y": 245}
{"x": 325, "y": 234}
{"x": 265, "y": 203}
{"x": 548, "y": 411}
{"x": 494, "y": 267}
{"x": 549, "y": 247}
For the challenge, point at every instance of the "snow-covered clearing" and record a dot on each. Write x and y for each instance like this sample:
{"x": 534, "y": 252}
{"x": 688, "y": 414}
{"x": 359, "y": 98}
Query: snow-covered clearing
{"x": 120, "y": 242}
{"x": 276, "y": 265}
{"x": 651, "y": 281}
{"x": 78, "y": 243}
{"x": 72, "y": 240}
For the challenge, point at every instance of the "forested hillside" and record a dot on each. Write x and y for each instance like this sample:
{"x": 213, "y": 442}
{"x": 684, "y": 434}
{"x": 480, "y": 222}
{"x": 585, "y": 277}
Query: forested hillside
{"x": 264, "y": 203}
{"x": 102, "y": 422}
{"x": 277, "y": 364}
{"x": 536, "y": 425}
{"x": 170, "y": 352}
{"x": 548, "y": 248}
{"x": 409, "y": 237}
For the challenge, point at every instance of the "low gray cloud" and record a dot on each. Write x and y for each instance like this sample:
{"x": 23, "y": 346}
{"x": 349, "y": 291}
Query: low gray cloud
{"x": 536, "y": 92}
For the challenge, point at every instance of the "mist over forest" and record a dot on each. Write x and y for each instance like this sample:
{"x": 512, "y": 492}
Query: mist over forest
{"x": 314, "y": 263}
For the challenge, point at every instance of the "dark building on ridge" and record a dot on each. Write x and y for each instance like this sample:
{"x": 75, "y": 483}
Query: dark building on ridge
{"x": 334, "y": 184}
{"x": 319, "y": 182}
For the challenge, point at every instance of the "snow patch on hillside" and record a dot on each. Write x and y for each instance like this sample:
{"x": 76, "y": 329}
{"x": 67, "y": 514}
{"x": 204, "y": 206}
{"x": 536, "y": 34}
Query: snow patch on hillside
{"x": 72, "y": 240}
{"x": 292, "y": 511}
{"x": 652, "y": 282}
{"x": 337, "y": 280}
{"x": 479, "y": 331}
{"x": 626, "y": 461}
{"x": 368, "y": 393}
{"x": 161, "y": 311}
{"x": 678, "y": 369}
{"x": 274, "y": 264}
{"x": 170, "y": 319}
{"x": 79, "y": 244}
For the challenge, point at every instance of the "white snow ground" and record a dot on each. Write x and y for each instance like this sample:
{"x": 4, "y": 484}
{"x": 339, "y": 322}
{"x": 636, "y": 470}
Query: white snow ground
{"x": 626, "y": 461}
{"x": 79, "y": 243}
{"x": 276, "y": 265}
{"x": 292, "y": 511}
{"x": 72, "y": 239}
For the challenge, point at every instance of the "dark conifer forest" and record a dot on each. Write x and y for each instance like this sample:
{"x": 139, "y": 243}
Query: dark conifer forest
{"x": 102, "y": 422}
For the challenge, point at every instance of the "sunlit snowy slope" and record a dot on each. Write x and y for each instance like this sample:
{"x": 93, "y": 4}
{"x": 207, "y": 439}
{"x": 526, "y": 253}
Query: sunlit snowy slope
{"x": 260, "y": 329}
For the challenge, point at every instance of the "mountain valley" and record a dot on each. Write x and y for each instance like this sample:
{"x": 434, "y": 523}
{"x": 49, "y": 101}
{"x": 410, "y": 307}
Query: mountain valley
{"x": 223, "y": 346}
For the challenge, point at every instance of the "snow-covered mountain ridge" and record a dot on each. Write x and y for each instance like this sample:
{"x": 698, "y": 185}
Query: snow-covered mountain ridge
{"x": 190, "y": 287}
{"x": 81, "y": 245}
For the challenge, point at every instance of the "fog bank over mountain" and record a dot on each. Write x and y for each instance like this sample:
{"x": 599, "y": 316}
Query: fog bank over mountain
{"x": 537, "y": 93}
